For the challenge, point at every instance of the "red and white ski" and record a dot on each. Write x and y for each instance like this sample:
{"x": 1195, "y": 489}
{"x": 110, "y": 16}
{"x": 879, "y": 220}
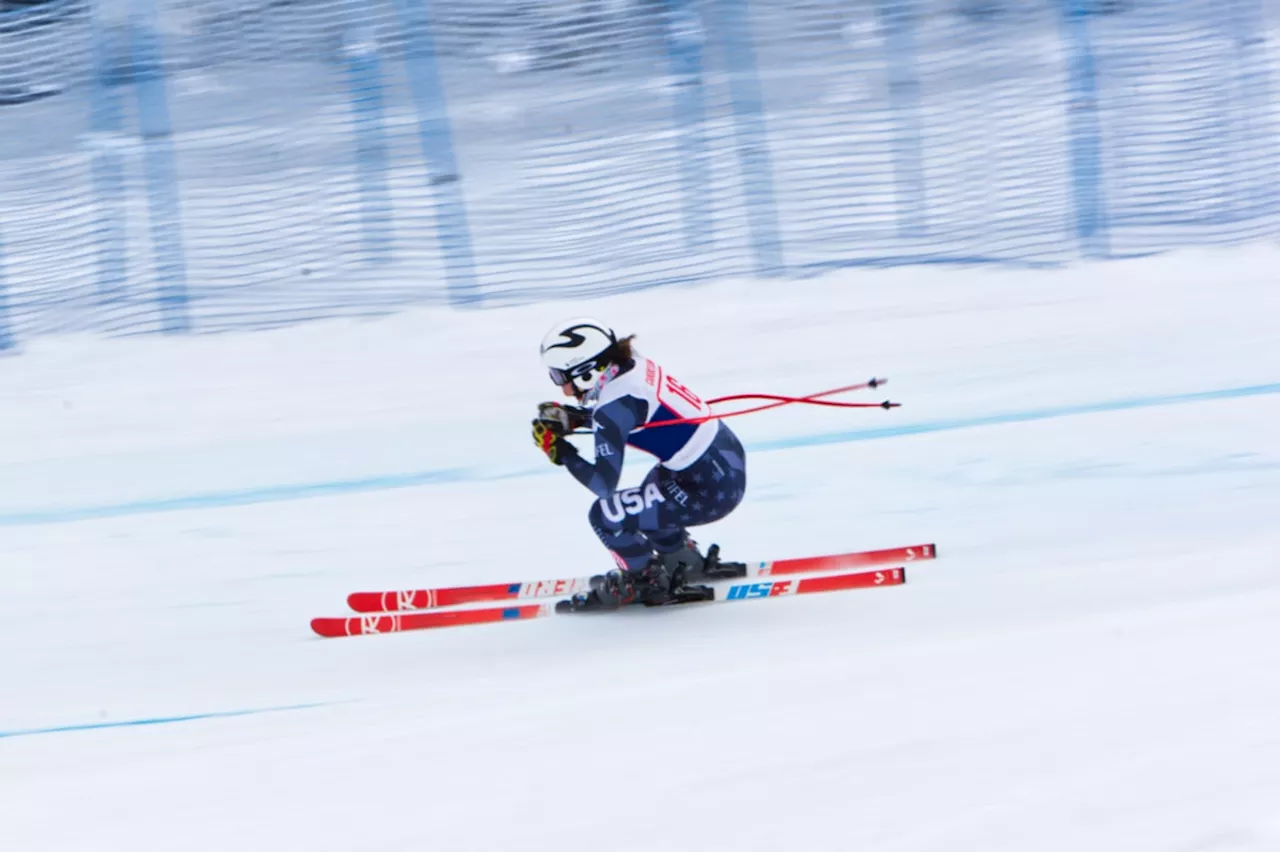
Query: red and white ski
{"x": 726, "y": 591}
{"x": 419, "y": 599}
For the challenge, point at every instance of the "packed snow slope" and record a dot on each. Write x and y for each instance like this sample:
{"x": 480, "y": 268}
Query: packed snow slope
{"x": 1093, "y": 663}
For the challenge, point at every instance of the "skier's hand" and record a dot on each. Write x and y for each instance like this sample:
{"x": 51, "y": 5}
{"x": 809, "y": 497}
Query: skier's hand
{"x": 548, "y": 435}
{"x": 570, "y": 418}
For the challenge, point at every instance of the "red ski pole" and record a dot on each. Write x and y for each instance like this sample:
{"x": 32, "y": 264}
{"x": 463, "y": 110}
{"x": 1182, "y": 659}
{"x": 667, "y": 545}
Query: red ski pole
{"x": 777, "y": 401}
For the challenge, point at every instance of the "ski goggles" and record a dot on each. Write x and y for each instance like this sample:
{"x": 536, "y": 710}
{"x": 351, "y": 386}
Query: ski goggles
{"x": 563, "y": 377}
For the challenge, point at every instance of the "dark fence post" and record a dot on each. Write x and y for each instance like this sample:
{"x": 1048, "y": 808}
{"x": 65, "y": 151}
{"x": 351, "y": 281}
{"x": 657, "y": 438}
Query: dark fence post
{"x": 1084, "y": 132}
{"x": 1256, "y": 153}
{"x": 436, "y": 137}
{"x": 897, "y": 20}
{"x": 684, "y": 35}
{"x": 733, "y": 28}
{"x": 106, "y": 127}
{"x": 156, "y": 129}
{"x": 364, "y": 82}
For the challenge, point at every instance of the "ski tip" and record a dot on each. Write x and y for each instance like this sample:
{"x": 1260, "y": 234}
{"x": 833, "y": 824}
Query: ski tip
{"x": 922, "y": 551}
{"x": 895, "y": 576}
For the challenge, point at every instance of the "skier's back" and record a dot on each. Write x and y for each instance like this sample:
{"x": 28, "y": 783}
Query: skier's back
{"x": 700, "y": 476}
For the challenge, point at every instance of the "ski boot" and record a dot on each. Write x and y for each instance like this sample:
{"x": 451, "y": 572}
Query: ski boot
{"x": 583, "y": 602}
{"x": 674, "y": 589}
{"x": 688, "y": 564}
{"x": 617, "y": 589}
{"x": 652, "y": 585}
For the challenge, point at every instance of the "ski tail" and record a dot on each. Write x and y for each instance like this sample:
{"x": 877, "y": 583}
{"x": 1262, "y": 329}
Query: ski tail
{"x": 413, "y": 599}
{"x": 395, "y": 622}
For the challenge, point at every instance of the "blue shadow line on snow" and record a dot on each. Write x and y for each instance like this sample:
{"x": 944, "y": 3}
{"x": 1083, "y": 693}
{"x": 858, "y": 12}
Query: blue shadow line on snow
{"x": 242, "y": 497}
{"x": 277, "y": 493}
{"x": 159, "y": 720}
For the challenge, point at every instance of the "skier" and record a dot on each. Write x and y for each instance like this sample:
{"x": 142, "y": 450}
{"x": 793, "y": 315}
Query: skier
{"x": 700, "y": 476}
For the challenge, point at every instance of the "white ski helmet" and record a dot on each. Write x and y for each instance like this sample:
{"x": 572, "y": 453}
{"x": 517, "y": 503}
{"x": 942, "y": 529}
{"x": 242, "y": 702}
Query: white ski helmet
{"x": 579, "y": 351}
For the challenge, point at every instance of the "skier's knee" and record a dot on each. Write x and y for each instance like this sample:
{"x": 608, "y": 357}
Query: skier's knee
{"x": 611, "y": 535}
{"x": 595, "y": 517}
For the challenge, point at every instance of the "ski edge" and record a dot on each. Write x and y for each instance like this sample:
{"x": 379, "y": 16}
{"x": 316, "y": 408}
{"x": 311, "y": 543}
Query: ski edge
{"x": 429, "y": 599}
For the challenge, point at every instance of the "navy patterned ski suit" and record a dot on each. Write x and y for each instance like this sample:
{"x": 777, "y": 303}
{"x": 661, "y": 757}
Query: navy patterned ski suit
{"x": 700, "y": 478}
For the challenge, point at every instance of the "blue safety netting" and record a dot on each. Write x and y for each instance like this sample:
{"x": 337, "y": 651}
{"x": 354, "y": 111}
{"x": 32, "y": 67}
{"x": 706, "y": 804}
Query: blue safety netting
{"x": 174, "y": 165}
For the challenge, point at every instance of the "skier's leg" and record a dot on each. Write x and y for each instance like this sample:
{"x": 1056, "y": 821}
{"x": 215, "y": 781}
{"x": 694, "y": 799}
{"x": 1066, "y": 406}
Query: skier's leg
{"x": 636, "y": 522}
{"x": 645, "y": 528}
{"x": 703, "y": 493}
{"x": 720, "y": 480}
{"x": 622, "y": 521}
{"x": 616, "y": 521}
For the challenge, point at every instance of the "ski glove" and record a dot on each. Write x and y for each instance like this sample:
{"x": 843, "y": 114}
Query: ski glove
{"x": 571, "y": 418}
{"x": 548, "y": 435}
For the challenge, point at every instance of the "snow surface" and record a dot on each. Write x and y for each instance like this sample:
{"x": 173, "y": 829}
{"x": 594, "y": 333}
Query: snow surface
{"x": 1093, "y": 663}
